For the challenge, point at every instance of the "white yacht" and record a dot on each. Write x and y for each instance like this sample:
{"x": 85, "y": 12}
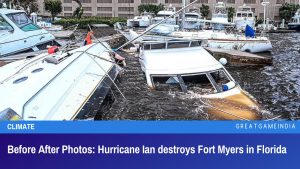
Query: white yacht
{"x": 161, "y": 15}
{"x": 219, "y": 16}
{"x": 295, "y": 24}
{"x": 144, "y": 20}
{"x": 65, "y": 85}
{"x": 229, "y": 41}
{"x": 185, "y": 66}
{"x": 192, "y": 20}
{"x": 244, "y": 16}
{"x": 19, "y": 34}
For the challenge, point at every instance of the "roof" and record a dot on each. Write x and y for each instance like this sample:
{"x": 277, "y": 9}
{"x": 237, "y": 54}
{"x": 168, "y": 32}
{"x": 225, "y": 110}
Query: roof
{"x": 179, "y": 61}
{"x": 165, "y": 13}
{"x": 5, "y": 11}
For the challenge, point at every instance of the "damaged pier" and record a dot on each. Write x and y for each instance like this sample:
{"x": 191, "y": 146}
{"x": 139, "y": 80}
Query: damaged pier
{"x": 239, "y": 58}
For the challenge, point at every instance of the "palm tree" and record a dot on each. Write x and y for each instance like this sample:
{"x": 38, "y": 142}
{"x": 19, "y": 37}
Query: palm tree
{"x": 79, "y": 10}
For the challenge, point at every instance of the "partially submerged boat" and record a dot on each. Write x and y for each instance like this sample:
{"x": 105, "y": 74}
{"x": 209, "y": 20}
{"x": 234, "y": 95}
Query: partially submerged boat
{"x": 244, "y": 16}
{"x": 66, "y": 85}
{"x": 19, "y": 34}
{"x": 186, "y": 66}
{"x": 295, "y": 24}
{"x": 144, "y": 20}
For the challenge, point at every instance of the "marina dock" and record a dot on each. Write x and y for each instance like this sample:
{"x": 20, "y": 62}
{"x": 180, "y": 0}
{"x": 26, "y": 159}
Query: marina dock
{"x": 239, "y": 58}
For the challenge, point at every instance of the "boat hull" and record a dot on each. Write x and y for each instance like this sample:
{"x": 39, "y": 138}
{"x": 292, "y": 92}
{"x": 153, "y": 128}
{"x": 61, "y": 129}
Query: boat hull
{"x": 252, "y": 46}
{"x": 294, "y": 27}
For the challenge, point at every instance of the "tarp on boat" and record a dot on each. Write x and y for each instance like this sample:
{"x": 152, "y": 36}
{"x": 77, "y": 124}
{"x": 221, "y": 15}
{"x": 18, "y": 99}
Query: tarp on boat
{"x": 249, "y": 32}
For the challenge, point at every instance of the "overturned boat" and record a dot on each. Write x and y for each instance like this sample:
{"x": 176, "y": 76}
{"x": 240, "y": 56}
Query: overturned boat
{"x": 186, "y": 66}
{"x": 66, "y": 85}
{"x": 19, "y": 34}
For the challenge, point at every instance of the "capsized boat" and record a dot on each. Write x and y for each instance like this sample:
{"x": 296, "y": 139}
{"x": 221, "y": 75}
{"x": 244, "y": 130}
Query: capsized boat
{"x": 186, "y": 66}
{"x": 19, "y": 34}
{"x": 144, "y": 20}
{"x": 295, "y": 24}
{"x": 244, "y": 16}
{"x": 65, "y": 85}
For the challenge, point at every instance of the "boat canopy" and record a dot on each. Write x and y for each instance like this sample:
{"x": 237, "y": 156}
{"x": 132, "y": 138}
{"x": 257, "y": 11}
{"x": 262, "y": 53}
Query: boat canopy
{"x": 182, "y": 60}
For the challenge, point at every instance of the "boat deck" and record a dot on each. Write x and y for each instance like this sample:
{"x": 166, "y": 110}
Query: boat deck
{"x": 239, "y": 58}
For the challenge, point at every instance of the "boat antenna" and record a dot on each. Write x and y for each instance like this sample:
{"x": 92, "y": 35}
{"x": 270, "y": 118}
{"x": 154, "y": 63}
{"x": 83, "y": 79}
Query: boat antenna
{"x": 125, "y": 44}
{"x": 110, "y": 51}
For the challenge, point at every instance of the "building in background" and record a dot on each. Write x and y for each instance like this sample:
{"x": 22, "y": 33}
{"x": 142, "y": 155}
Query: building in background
{"x": 129, "y": 8}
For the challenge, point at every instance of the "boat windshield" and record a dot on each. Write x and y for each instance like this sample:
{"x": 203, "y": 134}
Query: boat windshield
{"x": 191, "y": 16}
{"x": 163, "y": 15}
{"x": 4, "y": 25}
{"x": 22, "y": 21}
{"x": 202, "y": 83}
{"x": 171, "y": 45}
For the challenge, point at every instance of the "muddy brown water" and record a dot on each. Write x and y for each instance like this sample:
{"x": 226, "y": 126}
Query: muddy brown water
{"x": 275, "y": 87}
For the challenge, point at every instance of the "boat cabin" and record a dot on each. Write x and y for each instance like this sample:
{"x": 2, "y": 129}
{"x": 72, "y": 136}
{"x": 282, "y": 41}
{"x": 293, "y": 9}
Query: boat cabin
{"x": 182, "y": 65}
{"x": 244, "y": 12}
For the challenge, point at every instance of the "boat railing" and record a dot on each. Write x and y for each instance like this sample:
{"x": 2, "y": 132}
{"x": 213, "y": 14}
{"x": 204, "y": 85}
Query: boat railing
{"x": 171, "y": 44}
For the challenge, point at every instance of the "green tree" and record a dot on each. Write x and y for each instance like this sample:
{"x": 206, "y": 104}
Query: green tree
{"x": 54, "y": 7}
{"x": 150, "y": 8}
{"x": 204, "y": 9}
{"x": 79, "y": 10}
{"x": 230, "y": 13}
{"x": 287, "y": 11}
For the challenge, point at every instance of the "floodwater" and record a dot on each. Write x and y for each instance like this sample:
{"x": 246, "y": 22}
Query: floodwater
{"x": 276, "y": 88}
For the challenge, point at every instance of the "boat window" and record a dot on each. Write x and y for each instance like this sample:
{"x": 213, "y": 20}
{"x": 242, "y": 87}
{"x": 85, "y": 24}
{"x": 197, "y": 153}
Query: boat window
{"x": 158, "y": 46}
{"x": 191, "y": 16}
{"x": 166, "y": 83}
{"x": 178, "y": 44}
{"x": 37, "y": 70}
{"x": 4, "y": 25}
{"x": 250, "y": 15}
{"x": 239, "y": 14}
{"x": 195, "y": 43}
{"x": 22, "y": 21}
{"x": 244, "y": 15}
{"x": 163, "y": 15}
{"x": 199, "y": 84}
{"x": 154, "y": 46}
{"x": 220, "y": 78}
{"x": 22, "y": 79}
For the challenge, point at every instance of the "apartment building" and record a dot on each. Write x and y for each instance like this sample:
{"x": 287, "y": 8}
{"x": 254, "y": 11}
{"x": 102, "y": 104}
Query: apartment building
{"x": 129, "y": 8}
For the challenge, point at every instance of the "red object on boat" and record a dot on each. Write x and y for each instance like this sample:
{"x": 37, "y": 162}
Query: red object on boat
{"x": 88, "y": 39}
{"x": 53, "y": 49}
